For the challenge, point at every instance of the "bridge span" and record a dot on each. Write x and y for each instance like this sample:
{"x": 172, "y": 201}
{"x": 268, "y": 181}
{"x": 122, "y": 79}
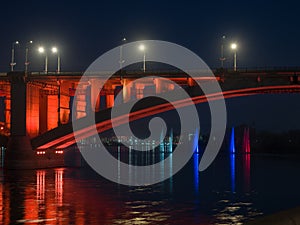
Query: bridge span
{"x": 36, "y": 108}
{"x": 63, "y": 136}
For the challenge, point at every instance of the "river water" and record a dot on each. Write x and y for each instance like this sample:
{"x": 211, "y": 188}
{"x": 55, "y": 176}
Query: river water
{"x": 235, "y": 189}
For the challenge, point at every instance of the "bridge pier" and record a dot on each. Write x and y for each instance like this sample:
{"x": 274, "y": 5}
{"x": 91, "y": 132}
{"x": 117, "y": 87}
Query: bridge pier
{"x": 19, "y": 154}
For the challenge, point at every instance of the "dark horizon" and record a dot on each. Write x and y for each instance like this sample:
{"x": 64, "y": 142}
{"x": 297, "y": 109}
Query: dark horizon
{"x": 266, "y": 32}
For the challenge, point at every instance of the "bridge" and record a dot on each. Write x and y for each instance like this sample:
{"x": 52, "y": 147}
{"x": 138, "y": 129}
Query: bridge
{"x": 37, "y": 107}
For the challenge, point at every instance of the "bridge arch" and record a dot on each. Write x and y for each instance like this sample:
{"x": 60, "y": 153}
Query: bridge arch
{"x": 63, "y": 137}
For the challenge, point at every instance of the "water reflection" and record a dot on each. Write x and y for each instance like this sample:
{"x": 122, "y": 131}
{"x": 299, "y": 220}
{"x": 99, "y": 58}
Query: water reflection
{"x": 196, "y": 171}
{"x": 59, "y": 186}
{"x": 247, "y": 171}
{"x": 225, "y": 195}
{"x": 246, "y": 159}
{"x": 232, "y": 172}
{"x": 40, "y": 185}
{"x": 80, "y": 196}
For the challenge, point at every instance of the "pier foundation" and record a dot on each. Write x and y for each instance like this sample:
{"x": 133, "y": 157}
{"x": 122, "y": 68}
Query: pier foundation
{"x": 19, "y": 153}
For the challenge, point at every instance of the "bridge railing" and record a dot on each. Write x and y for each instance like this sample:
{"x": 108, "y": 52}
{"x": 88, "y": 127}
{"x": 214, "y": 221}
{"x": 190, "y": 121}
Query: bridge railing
{"x": 262, "y": 69}
{"x": 174, "y": 71}
{"x": 169, "y": 72}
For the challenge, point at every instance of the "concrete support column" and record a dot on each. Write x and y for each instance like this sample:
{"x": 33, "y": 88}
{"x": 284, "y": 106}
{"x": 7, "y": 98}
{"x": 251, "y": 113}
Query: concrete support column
{"x": 95, "y": 93}
{"x": 18, "y": 104}
{"x": 133, "y": 92}
{"x": 126, "y": 90}
{"x": 103, "y": 104}
{"x": 117, "y": 90}
{"x": 32, "y": 110}
{"x": 19, "y": 154}
{"x": 158, "y": 85}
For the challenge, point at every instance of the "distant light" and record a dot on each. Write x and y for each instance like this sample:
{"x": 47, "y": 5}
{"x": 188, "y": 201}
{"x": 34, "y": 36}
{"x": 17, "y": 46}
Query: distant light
{"x": 124, "y": 39}
{"x": 54, "y": 50}
{"x": 17, "y": 42}
{"x": 41, "y": 50}
{"x": 234, "y": 46}
{"x": 41, "y": 153}
{"x": 142, "y": 47}
{"x": 30, "y": 42}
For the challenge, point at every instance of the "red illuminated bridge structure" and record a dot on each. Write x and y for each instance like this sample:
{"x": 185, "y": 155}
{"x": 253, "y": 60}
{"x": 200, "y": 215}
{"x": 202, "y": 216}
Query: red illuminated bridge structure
{"x": 36, "y": 108}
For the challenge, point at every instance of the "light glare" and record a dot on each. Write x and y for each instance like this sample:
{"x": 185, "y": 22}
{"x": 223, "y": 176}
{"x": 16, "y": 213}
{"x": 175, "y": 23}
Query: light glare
{"x": 142, "y": 47}
{"x": 54, "y": 50}
{"x": 41, "y": 50}
{"x": 233, "y": 46}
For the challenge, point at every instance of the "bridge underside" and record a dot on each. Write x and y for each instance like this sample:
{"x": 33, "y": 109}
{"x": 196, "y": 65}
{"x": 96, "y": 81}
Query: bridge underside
{"x": 63, "y": 136}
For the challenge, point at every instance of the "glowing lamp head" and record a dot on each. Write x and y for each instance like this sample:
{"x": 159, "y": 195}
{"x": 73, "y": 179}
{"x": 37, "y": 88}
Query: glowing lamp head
{"x": 17, "y": 42}
{"x": 54, "y": 50}
{"x": 41, "y": 50}
{"x": 233, "y": 46}
{"x": 30, "y": 42}
{"x": 142, "y": 47}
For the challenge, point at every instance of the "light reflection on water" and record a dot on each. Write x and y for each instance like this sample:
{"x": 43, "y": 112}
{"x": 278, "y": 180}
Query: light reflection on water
{"x": 231, "y": 191}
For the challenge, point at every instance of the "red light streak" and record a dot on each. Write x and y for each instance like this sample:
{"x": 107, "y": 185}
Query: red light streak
{"x": 68, "y": 139}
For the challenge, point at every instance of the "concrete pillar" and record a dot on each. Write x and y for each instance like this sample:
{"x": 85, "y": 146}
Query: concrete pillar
{"x": 158, "y": 84}
{"x": 43, "y": 113}
{"x": 126, "y": 90}
{"x": 72, "y": 91}
{"x": 103, "y": 104}
{"x": 133, "y": 92}
{"x": 32, "y": 110}
{"x": 19, "y": 154}
{"x": 95, "y": 94}
{"x": 117, "y": 90}
{"x": 88, "y": 104}
{"x": 52, "y": 116}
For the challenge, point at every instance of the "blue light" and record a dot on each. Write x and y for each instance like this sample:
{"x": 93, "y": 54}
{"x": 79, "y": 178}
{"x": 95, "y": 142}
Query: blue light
{"x": 161, "y": 141}
{"x": 196, "y": 172}
{"x": 232, "y": 144}
{"x": 197, "y": 149}
{"x": 171, "y": 141}
{"x": 195, "y": 142}
{"x": 232, "y": 172}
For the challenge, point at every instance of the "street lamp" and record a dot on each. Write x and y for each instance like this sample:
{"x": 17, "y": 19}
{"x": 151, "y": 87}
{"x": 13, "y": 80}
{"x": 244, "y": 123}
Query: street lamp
{"x": 121, "y": 54}
{"x": 26, "y": 56}
{"x": 143, "y": 48}
{"x": 55, "y": 51}
{"x": 42, "y": 51}
{"x": 234, "y": 48}
{"x": 12, "y": 64}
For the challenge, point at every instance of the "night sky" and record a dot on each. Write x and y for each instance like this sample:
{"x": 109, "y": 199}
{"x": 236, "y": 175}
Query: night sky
{"x": 267, "y": 32}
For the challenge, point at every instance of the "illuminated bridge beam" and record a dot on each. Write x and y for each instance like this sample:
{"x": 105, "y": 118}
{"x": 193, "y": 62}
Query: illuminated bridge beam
{"x": 63, "y": 136}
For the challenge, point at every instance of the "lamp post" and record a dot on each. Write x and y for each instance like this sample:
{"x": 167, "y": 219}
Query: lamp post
{"x": 42, "y": 51}
{"x": 222, "y": 58}
{"x": 121, "y": 61}
{"x": 234, "y": 48}
{"x": 26, "y": 55}
{"x": 143, "y": 48}
{"x": 12, "y": 64}
{"x": 55, "y": 51}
